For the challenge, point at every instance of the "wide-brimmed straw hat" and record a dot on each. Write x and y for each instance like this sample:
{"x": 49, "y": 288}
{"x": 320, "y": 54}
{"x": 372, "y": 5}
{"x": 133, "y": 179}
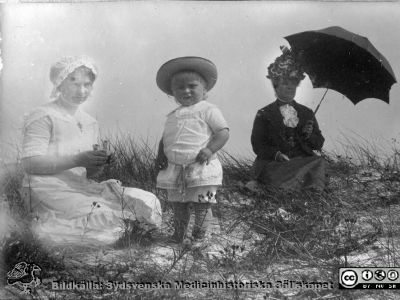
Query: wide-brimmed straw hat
{"x": 200, "y": 65}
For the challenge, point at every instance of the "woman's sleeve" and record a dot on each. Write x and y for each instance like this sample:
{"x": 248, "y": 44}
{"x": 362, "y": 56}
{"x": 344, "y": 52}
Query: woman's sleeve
{"x": 316, "y": 140}
{"x": 260, "y": 139}
{"x": 36, "y": 137}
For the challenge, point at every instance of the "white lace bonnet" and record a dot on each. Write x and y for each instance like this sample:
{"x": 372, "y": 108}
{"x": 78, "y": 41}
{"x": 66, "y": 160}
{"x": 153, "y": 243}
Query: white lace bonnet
{"x": 65, "y": 66}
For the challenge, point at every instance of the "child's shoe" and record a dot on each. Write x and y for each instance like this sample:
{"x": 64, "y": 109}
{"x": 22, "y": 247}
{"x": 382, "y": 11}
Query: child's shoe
{"x": 176, "y": 238}
{"x": 198, "y": 234}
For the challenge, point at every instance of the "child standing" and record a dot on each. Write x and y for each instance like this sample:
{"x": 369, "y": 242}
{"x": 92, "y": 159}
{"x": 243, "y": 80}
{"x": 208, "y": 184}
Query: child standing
{"x": 193, "y": 133}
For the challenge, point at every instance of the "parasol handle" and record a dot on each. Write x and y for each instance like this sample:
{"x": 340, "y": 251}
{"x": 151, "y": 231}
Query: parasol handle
{"x": 315, "y": 111}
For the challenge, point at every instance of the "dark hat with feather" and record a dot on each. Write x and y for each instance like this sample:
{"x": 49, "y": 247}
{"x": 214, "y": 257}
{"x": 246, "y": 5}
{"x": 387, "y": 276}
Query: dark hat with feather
{"x": 285, "y": 66}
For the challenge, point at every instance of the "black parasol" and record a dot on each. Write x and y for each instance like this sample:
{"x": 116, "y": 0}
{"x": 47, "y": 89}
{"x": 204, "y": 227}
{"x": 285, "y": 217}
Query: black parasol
{"x": 337, "y": 59}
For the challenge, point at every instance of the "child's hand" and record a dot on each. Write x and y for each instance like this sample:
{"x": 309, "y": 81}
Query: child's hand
{"x": 161, "y": 163}
{"x": 204, "y": 156}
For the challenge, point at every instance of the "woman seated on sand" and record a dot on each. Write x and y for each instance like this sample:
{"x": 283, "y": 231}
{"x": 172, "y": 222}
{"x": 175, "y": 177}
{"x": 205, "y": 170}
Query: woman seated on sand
{"x": 59, "y": 151}
{"x": 285, "y": 133}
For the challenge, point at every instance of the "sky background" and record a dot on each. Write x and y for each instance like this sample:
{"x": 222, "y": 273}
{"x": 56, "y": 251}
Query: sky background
{"x": 131, "y": 40}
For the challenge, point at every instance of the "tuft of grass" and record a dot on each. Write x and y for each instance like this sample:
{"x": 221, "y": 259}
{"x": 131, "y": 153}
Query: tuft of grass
{"x": 19, "y": 243}
{"x": 235, "y": 169}
{"x": 260, "y": 230}
{"x": 133, "y": 162}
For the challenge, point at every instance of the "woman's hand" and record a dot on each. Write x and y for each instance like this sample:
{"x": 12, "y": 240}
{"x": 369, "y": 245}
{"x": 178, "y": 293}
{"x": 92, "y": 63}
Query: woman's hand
{"x": 91, "y": 159}
{"x": 279, "y": 156}
{"x": 308, "y": 129}
{"x": 204, "y": 156}
{"x": 94, "y": 171}
{"x": 48, "y": 164}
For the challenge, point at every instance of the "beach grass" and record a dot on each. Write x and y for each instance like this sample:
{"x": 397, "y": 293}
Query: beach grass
{"x": 264, "y": 234}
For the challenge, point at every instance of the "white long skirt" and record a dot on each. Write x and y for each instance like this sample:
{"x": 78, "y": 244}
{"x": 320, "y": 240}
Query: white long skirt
{"x": 81, "y": 211}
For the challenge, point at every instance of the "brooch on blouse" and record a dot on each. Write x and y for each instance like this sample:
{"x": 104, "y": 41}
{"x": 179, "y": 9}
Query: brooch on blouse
{"x": 79, "y": 125}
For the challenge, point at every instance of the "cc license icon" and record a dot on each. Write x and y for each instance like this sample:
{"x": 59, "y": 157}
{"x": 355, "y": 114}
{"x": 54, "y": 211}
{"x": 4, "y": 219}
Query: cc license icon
{"x": 349, "y": 278}
{"x": 380, "y": 275}
{"x": 392, "y": 275}
{"x": 367, "y": 275}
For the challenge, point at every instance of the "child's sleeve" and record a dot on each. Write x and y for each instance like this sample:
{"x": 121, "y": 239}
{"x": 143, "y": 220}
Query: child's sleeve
{"x": 216, "y": 120}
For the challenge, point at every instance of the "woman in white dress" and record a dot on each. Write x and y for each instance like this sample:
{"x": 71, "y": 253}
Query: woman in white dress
{"x": 58, "y": 154}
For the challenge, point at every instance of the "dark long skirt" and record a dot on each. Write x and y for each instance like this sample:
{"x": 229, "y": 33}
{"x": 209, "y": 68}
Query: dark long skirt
{"x": 300, "y": 173}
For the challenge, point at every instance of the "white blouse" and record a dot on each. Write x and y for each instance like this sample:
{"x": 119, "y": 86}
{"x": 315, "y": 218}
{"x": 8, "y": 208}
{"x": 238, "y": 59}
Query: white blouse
{"x": 50, "y": 130}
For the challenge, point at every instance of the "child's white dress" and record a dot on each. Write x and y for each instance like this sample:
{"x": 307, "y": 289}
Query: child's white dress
{"x": 67, "y": 206}
{"x": 187, "y": 130}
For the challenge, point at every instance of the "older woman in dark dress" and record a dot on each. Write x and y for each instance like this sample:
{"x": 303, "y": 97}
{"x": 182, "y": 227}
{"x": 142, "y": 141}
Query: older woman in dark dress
{"x": 285, "y": 133}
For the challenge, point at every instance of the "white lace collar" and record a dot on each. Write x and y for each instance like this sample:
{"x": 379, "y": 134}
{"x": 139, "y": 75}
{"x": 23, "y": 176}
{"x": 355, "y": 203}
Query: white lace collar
{"x": 289, "y": 114}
